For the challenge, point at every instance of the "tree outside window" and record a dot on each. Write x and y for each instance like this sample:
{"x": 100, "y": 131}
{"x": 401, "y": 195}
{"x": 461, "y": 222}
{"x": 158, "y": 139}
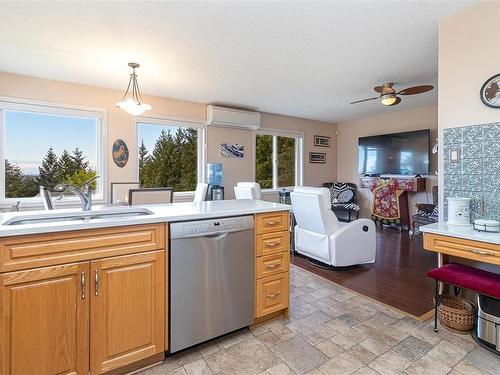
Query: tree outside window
{"x": 276, "y": 156}
{"x": 43, "y": 149}
{"x": 168, "y": 156}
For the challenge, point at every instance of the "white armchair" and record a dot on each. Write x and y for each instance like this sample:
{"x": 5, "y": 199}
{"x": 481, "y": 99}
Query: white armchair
{"x": 247, "y": 190}
{"x": 320, "y": 236}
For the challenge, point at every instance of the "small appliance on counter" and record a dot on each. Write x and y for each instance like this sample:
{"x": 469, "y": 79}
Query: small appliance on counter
{"x": 487, "y": 225}
{"x": 215, "y": 193}
{"x": 488, "y": 322}
{"x": 459, "y": 212}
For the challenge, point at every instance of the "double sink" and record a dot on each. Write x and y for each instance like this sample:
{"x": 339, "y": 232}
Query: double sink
{"x": 54, "y": 217}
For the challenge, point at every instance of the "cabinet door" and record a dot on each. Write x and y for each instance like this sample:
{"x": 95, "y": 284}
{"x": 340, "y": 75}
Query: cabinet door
{"x": 45, "y": 320}
{"x": 271, "y": 294}
{"x": 127, "y": 310}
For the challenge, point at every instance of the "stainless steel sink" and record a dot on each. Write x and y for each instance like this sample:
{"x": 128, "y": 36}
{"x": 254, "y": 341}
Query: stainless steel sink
{"x": 76, "y": 216}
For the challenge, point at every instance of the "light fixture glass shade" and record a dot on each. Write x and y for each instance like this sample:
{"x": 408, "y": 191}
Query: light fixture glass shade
{"x": 388, "y": 99}
{"x": 132, "y": 107}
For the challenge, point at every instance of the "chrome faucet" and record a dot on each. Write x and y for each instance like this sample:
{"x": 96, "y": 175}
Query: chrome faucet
{"x": 84, "y": 193}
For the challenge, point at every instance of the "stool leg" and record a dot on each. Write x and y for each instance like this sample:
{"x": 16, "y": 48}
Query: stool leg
{"x": 436, "y": 303}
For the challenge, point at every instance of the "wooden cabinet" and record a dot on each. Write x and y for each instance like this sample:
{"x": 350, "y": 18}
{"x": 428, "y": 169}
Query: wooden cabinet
{"x": 103, "y": 315}
{"x": 272, "y": 294}
{"x": 272, "y": 263}
{"x": 463, "y": 248}
{"x": 272, "y": 222}
{"x": 127, "y": 310}
{"x": 272, "y": 243}
{"x": 45, "y": 320}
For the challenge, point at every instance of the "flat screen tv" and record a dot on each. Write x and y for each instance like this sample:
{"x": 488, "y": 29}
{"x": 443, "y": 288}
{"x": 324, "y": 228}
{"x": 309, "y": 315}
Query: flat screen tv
{"x": 398, "y": 153}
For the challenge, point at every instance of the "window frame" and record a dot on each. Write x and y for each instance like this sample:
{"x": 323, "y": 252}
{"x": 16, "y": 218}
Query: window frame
{"x": 299, "y": 156}
{"x": 55, "y": 109}
{"x": 179, "y": 122}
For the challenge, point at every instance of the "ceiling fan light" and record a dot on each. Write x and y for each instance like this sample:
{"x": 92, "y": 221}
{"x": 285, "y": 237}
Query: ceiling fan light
{"x": 388, "y": 99}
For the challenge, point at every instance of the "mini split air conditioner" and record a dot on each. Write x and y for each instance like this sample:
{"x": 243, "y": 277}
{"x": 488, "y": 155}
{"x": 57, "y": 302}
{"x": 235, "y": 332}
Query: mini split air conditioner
{"x": 232, "y": 118}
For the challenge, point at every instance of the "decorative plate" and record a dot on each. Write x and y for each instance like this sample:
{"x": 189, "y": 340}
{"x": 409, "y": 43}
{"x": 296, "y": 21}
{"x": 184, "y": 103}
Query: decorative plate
{"x": 120, "y": 153}
{"x": 490, "y": 92}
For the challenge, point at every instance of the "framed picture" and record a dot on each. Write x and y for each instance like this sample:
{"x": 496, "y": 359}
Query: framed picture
{"x": 490, "y": 92}
{"x": 120, "y": 153}
{"x": 232, "y": 150}
{"x": 322, "y": 141}
{"x": 317, "y": 157}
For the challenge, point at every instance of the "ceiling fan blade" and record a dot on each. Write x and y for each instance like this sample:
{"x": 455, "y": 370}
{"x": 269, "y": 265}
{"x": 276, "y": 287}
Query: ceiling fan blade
{"x": 384, "y": 89}
{"x": 416, "y": 90}
{"x": 398, "y": 100}
{"x": 364, "y": 100}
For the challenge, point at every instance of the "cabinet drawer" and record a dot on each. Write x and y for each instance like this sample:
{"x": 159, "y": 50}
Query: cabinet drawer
{"x": 272, "y": 243}
{"x": 39, "y": 250}
{"x": 271, "y": 294}
{"x": 271, "y": 222}
{"x": 272, "y": 264}
{"x": 475, "y": 250}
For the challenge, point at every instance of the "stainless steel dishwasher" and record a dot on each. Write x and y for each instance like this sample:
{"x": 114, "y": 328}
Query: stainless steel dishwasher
{"x": 211, "y": 279}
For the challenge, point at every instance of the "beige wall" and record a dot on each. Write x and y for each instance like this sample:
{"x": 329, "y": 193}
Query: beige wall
{"x": 468, "y": 56}
{"x": 235, "y": 170}
{"x": 121, "y": 125}
{"x": 350, "y": 131}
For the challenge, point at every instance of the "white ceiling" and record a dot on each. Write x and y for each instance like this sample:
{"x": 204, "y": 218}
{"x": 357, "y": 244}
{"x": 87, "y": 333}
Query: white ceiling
{"x": 305, "y": 59}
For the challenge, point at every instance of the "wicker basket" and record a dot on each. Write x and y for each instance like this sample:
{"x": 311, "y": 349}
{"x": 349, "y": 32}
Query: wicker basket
{"x": 456, "y": 313}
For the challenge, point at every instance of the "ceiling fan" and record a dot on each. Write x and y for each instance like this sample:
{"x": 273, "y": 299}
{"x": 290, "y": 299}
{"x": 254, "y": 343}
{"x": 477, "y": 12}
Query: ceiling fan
{"x": 389, "y": 97}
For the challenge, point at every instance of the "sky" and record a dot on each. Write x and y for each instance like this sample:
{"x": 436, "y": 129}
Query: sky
{"x": 28, "y": 136}
{"x": 149, "y": 134}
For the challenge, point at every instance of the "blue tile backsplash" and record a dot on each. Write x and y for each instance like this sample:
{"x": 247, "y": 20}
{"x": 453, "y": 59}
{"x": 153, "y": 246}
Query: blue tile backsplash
{"x": 476, "y": 175}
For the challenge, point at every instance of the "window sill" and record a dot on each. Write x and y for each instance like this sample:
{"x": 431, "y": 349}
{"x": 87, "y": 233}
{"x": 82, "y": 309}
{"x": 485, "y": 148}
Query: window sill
{"x": 37, "y": 205}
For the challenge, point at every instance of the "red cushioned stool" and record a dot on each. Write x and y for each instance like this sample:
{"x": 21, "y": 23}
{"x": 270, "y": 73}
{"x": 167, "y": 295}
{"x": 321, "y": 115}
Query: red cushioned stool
{"x": 474, "y": 279}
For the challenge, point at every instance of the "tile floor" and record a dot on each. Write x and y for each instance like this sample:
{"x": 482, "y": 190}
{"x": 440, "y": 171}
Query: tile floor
{"x": 335, "y": 331}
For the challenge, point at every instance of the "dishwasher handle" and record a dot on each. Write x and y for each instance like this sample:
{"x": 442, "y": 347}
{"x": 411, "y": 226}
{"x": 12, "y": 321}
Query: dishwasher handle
{"x": 217, "y": 236}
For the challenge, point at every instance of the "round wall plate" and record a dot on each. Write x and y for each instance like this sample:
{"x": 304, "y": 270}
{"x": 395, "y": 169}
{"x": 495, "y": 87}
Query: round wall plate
{"x": 490, "y": 92}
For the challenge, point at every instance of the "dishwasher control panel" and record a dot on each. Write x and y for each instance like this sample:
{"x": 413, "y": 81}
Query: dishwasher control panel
{"x": 211, "y": 226}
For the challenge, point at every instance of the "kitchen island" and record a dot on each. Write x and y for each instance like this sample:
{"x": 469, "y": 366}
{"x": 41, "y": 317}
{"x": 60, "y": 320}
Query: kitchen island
{"x": 88, "y": 292}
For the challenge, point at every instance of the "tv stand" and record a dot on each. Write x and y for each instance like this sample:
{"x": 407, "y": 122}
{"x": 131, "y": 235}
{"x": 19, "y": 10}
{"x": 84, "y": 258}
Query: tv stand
{"x": 401, "y": 186}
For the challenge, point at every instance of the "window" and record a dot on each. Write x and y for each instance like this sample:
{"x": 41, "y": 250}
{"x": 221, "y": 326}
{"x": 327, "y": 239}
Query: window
{"x": 46, "y": 145}
{"x": 278, "y": 159}
{"x": 170, "y": 154}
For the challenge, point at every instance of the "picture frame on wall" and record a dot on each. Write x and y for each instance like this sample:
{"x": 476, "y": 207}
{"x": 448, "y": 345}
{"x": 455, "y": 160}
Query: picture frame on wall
{"x": 490, "y": 92}
{"x": 322, "y": 141}
{"x": 317, "y": 157}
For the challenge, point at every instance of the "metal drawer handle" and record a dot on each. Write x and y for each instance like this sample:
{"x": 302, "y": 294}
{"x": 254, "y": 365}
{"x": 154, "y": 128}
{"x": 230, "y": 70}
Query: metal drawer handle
{"x": 482, "y": 252}
{"x": 273, "y": 222}
{"x": 96, "y": 282}
{"x": 272, "y": 266}
{"x": 82, "y": 281}
{"x": 273, "y": 295}
{"x": 272, "y": 244}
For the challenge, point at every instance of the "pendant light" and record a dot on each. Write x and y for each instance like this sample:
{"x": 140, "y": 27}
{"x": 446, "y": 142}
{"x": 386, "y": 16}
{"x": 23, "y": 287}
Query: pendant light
{"x": 133, "y": 104}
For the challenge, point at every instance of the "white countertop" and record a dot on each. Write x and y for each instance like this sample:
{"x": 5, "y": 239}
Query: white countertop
{"x": 160, "y": 213}
{"x": 467, "y": 233}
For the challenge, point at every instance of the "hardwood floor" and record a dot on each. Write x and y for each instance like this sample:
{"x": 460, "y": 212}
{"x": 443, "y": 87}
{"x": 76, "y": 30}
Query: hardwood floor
{"x": 398, "y": 277}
